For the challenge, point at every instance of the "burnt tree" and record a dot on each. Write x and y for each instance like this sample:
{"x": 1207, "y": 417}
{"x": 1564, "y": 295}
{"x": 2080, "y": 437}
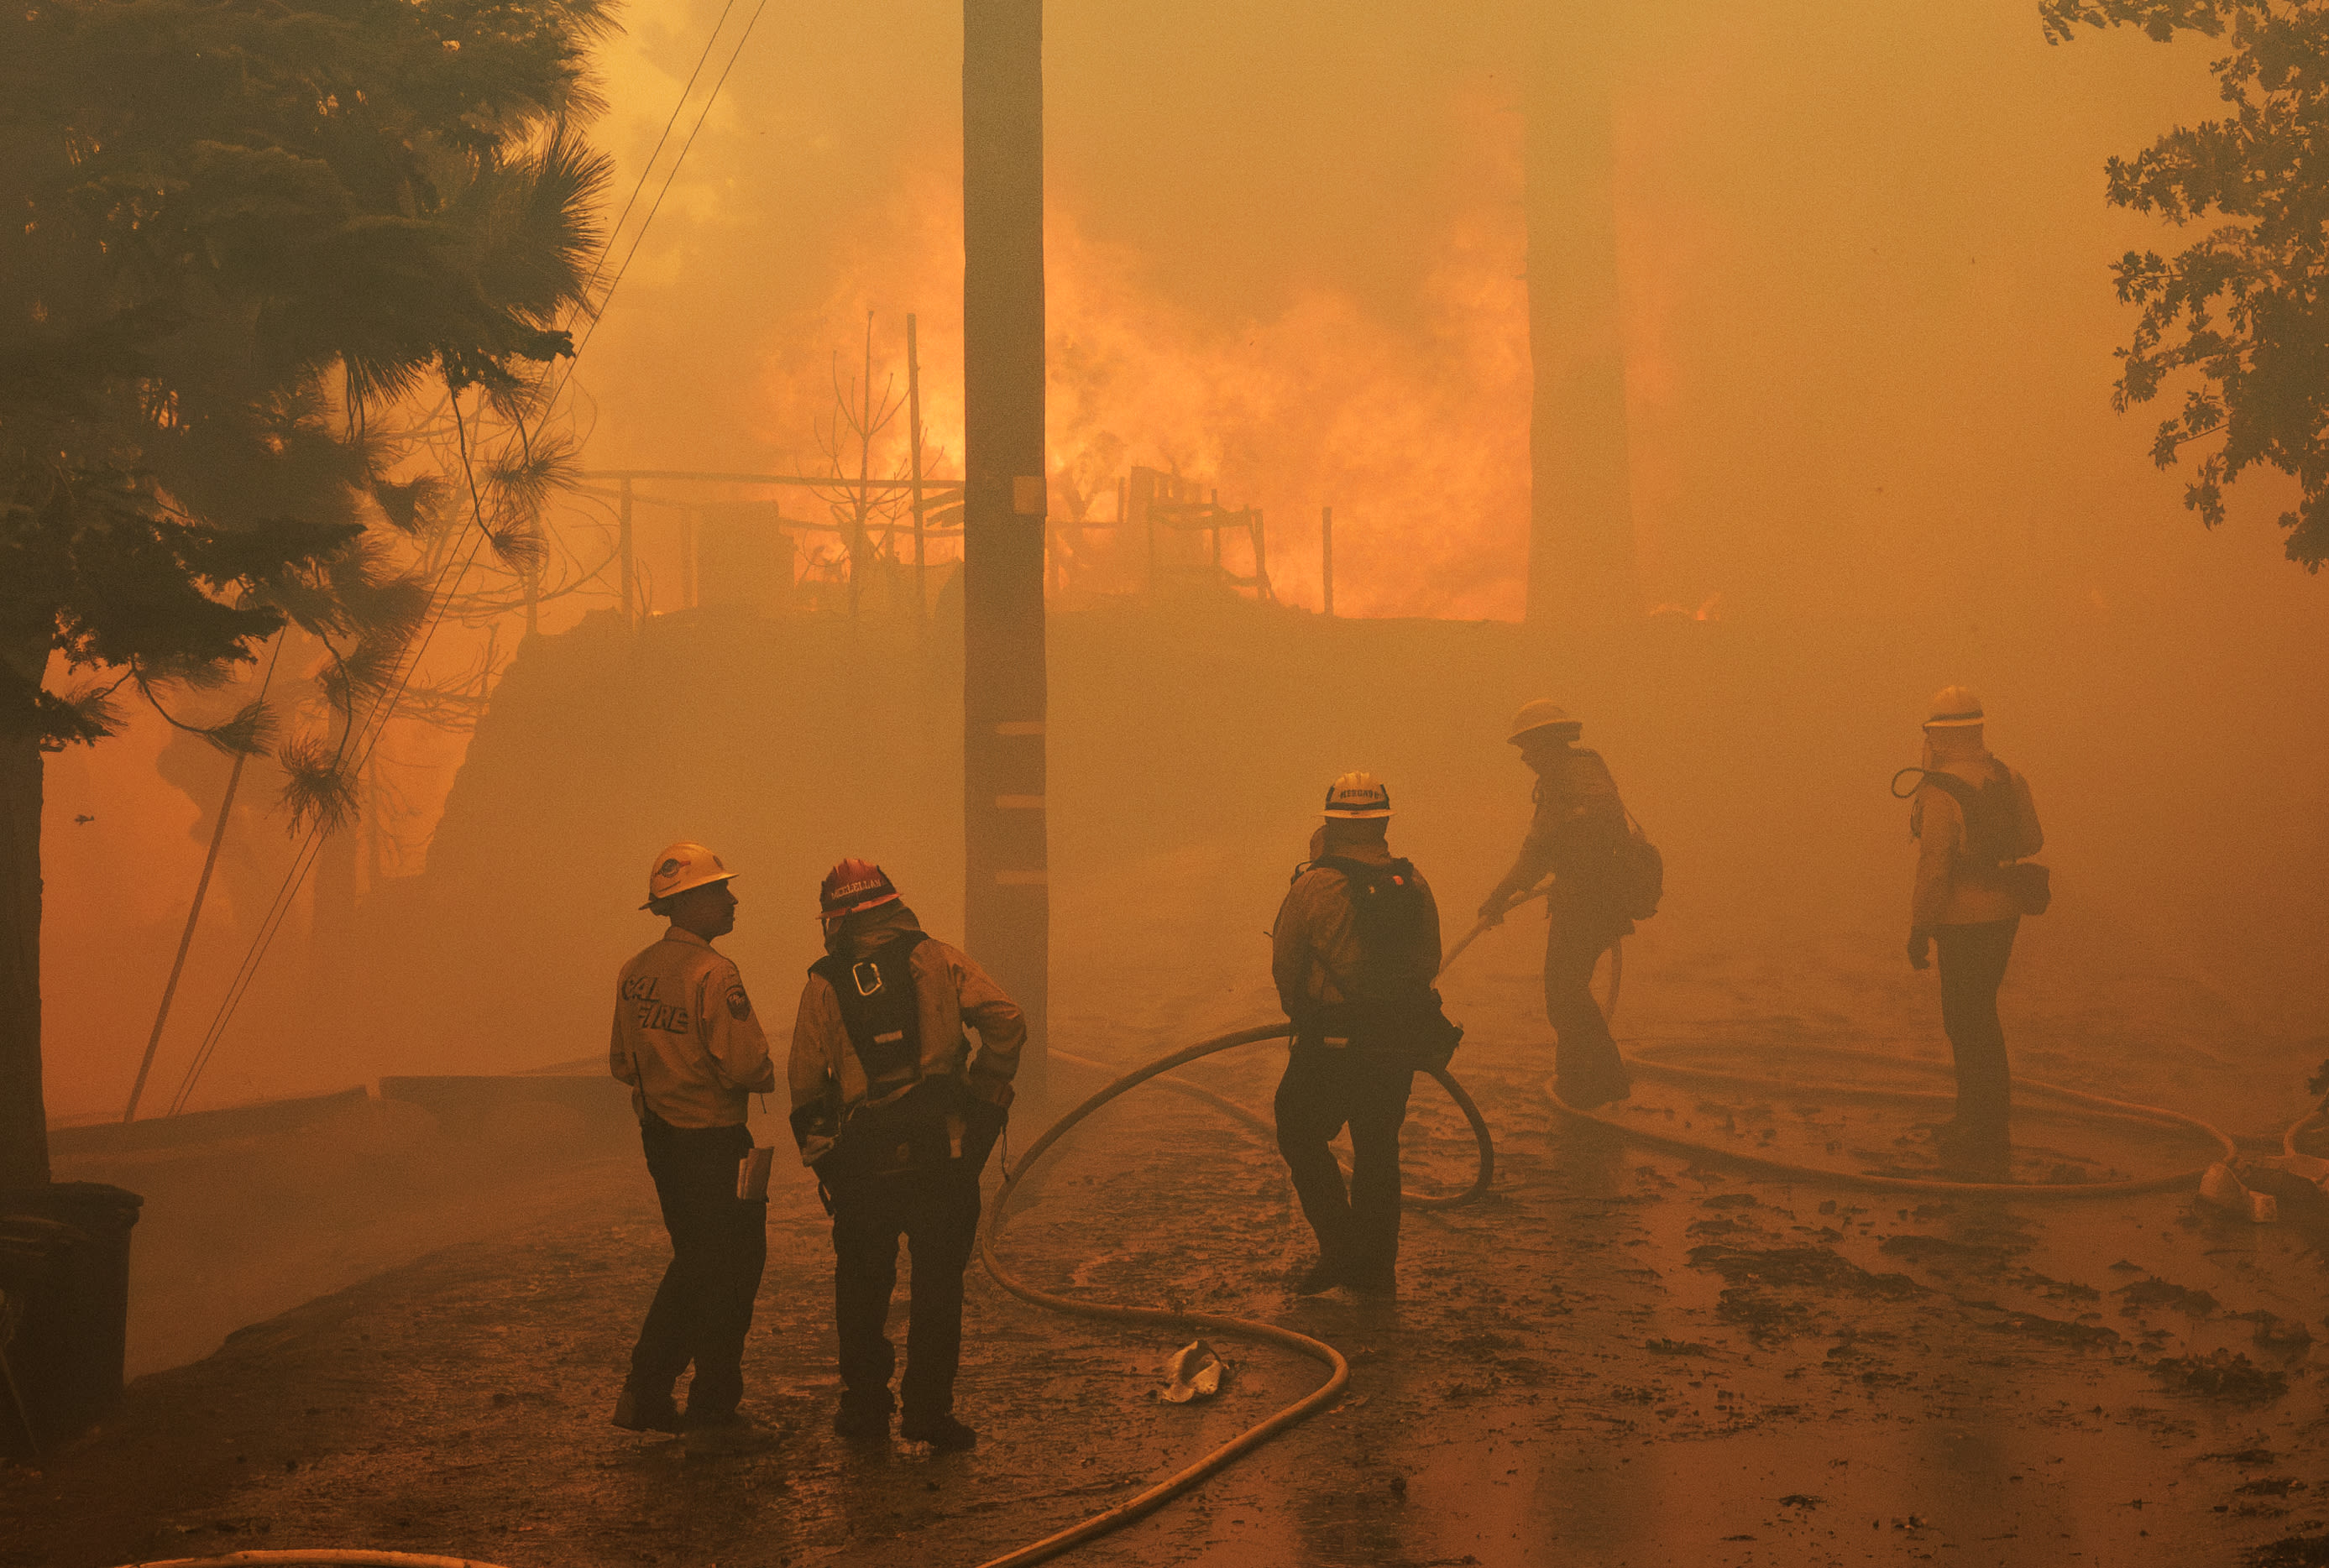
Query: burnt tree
{"x": 1581, "y": 570}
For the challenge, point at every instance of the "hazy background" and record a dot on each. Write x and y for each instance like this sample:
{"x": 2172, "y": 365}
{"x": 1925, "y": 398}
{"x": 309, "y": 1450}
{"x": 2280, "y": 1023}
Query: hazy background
{"x": 1869, "y": 329}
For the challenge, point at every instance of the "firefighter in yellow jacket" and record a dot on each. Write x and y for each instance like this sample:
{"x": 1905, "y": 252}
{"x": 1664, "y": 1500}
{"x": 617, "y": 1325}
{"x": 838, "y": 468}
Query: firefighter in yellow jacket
{"x": 1353, "y": 953}
{"x": 1579, "y": 827}
{"x": 896, "y": 1113}
{"x": 1973, "y": 817}
{"x": 687, "y": 1042}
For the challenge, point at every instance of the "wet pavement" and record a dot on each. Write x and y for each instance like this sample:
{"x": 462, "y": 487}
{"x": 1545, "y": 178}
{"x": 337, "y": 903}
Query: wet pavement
{"x": 1620, "y": 1358}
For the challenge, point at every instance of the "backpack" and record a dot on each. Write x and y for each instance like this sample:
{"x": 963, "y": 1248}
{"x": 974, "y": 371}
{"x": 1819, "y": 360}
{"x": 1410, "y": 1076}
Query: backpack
{"x": 1991, "y": 820}
{"x": 1401, "y": 1020}
{"x": 1637, "y": 873}
{"x": 1993, "y": 830}
{"x": 916, "y": 1125}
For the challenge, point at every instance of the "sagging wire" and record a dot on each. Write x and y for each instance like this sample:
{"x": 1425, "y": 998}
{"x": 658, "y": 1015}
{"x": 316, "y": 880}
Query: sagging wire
{"x": 375, "y": 724}
{"x": 665, "y": 190}
{"x": 201, "y": 891}
{"x": 304, "y": 858}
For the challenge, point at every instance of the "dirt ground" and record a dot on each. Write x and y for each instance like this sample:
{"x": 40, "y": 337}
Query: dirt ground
{"x": 1620, "y": 1357}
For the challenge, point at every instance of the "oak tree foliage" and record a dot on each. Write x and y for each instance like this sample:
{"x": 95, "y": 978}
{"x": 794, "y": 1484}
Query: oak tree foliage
{"x": 2238, "y": 320}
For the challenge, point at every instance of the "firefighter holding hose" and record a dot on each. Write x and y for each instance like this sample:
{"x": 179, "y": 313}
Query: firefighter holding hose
{"x": 1353, "y": 953}
{"x": 896, "y": 1113}
{"x": 1578, "y": 835}
{"x": 686, "y": 1041}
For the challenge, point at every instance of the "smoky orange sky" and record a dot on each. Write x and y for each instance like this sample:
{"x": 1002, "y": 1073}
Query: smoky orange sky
{"x": 1867, "y": 319}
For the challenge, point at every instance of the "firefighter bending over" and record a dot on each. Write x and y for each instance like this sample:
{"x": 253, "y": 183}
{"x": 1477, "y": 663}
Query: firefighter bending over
{"x": 1355, "y": 951}
{"x": 1578, "y": 835}
{"x": 686, "y": 1041}
{"x": 896, "y": 1113}
{"x": 1972, "y": 819}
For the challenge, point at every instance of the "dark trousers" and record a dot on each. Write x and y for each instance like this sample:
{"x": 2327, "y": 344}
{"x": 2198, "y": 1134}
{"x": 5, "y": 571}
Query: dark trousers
{"x": 1324, "y": 1089}
{"x": 719, "y": 1246}
{"x": 935, "y": 1210}
{"x": 1586, "y": 1065}
{"x": 1973, "y": 964}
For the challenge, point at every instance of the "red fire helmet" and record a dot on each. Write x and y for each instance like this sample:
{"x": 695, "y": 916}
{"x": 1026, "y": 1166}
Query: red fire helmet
{"x": 853, "y": 886}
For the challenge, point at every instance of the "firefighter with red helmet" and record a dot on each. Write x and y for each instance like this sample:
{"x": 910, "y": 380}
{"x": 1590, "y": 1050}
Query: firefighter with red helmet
{"x": 686, "y": 1041}
{"x": 896, "y": 1112}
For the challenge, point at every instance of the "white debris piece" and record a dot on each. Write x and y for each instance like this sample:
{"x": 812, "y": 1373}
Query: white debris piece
{"x": 1192, "y": 1372}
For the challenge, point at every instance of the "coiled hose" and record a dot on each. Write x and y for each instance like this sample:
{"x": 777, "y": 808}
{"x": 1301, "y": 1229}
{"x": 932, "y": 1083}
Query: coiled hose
{"x": 1651, "y": 1062}
{"x": 1338, "y": 1369}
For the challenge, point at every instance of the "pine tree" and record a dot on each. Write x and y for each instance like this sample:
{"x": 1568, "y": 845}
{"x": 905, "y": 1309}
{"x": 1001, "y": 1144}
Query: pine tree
{"x": 239, "y": 234}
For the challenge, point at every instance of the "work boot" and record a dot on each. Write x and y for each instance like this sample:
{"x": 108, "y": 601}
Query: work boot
{"x": 637, "y": 1412}
{"x": 1970, "y": 1152}
{"x": 944, "y": 1433}
{"x": 1381, "y": 1283}
{"x": 1592, "y": 1093}
{"x": 861, "y": 1422}
{"x": 1321, "y": 1276}
{"x": 722, "y": 1434}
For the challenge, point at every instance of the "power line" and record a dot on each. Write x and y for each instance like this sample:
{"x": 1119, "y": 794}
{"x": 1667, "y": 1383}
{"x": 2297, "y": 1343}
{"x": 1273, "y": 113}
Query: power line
{"x": 202, "y": 890}
{"x": 669, "y": 175}
{"x": 304, "y": 859}
{"x": 648, "y": 167}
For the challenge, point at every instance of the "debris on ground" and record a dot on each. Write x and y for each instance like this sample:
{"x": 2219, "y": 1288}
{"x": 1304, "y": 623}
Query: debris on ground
{"x": 1191, "y": 1372}
{"x": 2226, "y": 1376}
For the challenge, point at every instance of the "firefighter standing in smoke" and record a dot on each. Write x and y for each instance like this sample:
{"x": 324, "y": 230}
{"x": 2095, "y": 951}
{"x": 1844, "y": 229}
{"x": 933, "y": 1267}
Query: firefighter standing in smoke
{"x": 686, "y": 1041}
{"x": 1577, "y": 834}
{"x": 1973, "y": 817}
{"x": 1353, "y": 953}
{"x": 896, "y": 1114}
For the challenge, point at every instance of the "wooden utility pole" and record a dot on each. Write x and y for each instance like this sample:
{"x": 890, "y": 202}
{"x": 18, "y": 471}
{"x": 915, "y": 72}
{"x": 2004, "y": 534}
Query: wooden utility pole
{"x": 1326, "y": 554}
{"x": 1581, "y": 569}
{"x": 1006, "y": 901}
{"x": 630, "y": 579}
{"x": 914, "y": 436}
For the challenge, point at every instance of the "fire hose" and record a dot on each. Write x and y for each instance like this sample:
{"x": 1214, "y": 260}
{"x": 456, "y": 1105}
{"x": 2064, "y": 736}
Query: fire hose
{"x": 1652, "y": 1062}
{"x": 1338, "y": 1370}
{"x": 318, "y": 1557}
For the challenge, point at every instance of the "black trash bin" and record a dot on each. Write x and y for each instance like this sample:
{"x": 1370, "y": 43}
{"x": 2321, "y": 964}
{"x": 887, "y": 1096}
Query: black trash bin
{"x": 64, "y": 1265}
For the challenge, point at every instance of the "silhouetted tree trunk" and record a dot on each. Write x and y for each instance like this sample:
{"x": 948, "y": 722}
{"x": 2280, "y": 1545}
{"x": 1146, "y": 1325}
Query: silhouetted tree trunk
{"x": 1006, "y": 902}
{"x": 1581, "y": 521}
{"x": 23, "y": 1113}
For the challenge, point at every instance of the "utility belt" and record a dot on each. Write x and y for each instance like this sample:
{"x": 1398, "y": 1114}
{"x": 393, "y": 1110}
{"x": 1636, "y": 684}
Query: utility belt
{"x": 1408, "y": 1028}
{"x": 936, "y": 1125}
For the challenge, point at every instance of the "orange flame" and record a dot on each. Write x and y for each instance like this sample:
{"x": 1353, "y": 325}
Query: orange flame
{"x": 1416, "y": 433}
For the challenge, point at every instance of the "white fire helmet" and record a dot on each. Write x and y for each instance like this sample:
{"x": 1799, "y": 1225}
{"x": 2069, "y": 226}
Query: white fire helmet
{"x": 683, "y": 866}
{"x": 1954, "y": 707}
{"x": 1357, "y": 797}
{"x": 1542, "y": 713}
